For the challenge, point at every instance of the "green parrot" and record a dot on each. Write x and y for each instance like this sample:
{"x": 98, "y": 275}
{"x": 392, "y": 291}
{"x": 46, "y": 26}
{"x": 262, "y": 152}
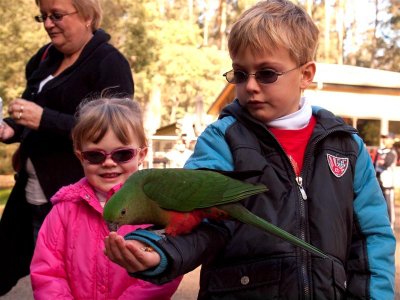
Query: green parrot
{"x": 179, "y": 199}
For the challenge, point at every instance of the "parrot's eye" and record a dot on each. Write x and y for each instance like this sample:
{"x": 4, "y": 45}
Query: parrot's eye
{"x": 123, "y": 211}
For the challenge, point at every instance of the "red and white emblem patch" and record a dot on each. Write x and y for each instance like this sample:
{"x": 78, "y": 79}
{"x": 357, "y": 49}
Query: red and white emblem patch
{"x": 338, "y": 165}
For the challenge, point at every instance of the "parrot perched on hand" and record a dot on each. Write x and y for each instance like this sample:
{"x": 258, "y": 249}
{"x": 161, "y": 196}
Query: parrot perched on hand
{"x": 179, "y": 199}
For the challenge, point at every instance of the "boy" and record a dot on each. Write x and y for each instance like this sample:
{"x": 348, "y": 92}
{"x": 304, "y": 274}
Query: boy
{"x": 322, "y": 185}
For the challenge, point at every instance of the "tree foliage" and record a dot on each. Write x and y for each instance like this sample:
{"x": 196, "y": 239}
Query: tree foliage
{"x": 20, "y": 38}
{"x": 177, "y": 49}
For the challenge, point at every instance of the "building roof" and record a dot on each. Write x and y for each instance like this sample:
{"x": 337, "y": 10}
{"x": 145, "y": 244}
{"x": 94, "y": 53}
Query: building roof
{"x": 356, "y": 76}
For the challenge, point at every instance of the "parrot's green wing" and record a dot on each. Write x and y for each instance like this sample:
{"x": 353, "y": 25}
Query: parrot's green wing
{"x": 186, "y": 190}
{"x": 240, "y": 213}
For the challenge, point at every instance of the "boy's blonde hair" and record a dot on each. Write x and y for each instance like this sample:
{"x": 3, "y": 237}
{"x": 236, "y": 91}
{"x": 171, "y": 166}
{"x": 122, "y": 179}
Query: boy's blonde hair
{"x": 275, "y": 23}
{"x": 96, "y": 117}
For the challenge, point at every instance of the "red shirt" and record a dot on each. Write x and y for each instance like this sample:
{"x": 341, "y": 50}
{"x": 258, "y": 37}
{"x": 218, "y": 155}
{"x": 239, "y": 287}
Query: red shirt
{"x": 294, "y": 142}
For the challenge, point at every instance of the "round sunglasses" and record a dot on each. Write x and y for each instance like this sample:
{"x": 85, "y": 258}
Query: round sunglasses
{"x": 264, "y": 76}
{"x": 96, "y": 157}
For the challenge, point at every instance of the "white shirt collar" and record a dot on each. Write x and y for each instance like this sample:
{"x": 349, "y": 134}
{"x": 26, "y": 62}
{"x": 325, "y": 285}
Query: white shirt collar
{"x": 296, "y": 120}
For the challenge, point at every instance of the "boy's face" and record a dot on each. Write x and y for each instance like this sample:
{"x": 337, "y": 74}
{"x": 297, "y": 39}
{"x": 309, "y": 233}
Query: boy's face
{"x": 109, "y": 173}
{"x": 267, "y": 102}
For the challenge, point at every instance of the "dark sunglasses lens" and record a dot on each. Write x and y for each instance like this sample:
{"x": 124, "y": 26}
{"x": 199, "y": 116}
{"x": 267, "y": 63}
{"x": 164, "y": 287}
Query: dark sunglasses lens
{"x": 266, "y": 76}
{"x": 40, "y": 18}
{"x": 123, "y": 155}
{"x": 94, "y": 157}
{"x": 239, "y": 77}
{"x": 56, "y": 17}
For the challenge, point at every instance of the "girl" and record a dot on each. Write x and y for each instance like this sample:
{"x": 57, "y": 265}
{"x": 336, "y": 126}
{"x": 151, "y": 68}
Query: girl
{"x": 69, "y": 262}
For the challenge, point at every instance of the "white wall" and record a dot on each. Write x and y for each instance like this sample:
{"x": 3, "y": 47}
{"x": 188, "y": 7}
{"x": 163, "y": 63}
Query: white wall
{"x": 369, "y": 106}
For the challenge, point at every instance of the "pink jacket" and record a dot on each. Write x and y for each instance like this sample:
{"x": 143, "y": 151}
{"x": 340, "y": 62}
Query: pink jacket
{"x": 69, "y": 262}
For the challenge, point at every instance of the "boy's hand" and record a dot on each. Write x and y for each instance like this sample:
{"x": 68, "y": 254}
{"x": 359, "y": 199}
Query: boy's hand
{"x": 132, "y": 255}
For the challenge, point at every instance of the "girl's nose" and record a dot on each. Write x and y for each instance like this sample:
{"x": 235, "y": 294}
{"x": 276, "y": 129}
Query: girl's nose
{"x": 109, "y": 162}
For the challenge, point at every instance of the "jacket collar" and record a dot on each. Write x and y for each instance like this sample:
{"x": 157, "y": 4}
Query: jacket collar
{"x": 326, "y": 121}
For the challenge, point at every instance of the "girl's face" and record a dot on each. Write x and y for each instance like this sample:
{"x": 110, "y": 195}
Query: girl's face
{"x": 105, "y": 175}
{"x": 267, "y": 102}
{"x": 71, "y": 32}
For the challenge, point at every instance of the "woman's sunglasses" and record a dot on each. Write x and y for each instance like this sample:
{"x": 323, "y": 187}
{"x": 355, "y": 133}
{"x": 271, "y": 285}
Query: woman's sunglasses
{"x": 263, "y": 76}
{"x": 96, "y": 157}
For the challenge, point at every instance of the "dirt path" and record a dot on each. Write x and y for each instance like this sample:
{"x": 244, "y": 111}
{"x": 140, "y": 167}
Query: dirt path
{"x": 187, "y": 289}
{"x": 22, "y": 291}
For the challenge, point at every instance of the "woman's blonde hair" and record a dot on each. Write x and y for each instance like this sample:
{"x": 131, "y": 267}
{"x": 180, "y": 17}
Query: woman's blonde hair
{"x": 88, "y": 9}
{"x": 275, "y": 23}
{"x": 95, "y": 117}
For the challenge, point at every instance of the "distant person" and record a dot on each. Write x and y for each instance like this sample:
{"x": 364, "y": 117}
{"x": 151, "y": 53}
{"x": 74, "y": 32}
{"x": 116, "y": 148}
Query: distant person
{"x": 321, "y": 183}
{"x": 180, "y": 153}
{"x": 385, "y": 165}
{"x": 77, "y": 63}
{"x": 69, "y": 260}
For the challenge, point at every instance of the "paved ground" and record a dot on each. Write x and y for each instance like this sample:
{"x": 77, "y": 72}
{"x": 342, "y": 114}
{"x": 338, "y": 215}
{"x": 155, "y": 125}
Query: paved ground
{"x": 187, "y": 289}
{"x": 189, "y": 286}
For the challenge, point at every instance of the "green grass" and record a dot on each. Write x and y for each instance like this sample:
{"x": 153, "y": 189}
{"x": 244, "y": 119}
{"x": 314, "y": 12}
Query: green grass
{"x": 4, "y": 193}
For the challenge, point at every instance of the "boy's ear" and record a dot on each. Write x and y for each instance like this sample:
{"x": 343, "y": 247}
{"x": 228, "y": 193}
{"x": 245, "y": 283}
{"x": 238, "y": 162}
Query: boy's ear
{"x": 308, "y": 73}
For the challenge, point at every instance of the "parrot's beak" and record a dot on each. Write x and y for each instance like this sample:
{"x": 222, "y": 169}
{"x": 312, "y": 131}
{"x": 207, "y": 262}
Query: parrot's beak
{"x": 112, "y": 226}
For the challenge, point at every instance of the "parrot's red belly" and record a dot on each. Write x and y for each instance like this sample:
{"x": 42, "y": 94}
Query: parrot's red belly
{"x": 185, "y": 222}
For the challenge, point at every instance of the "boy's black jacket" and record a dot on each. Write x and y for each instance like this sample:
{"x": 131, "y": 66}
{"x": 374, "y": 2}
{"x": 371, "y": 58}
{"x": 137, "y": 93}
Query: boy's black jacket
{"x": 242, "y": 262}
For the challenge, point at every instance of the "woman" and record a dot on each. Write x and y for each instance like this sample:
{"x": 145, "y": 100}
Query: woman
{"x": 77, "y": 64}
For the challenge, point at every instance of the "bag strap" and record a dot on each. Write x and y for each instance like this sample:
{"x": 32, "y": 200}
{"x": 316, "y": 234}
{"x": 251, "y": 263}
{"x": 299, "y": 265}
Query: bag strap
{"x": 45, "y": 53}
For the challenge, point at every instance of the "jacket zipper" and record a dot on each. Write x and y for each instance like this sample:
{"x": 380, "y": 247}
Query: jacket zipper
{"x": 302, "y": 198}
{"x": 304, "y": 265}
{"x": 299, "y": 180}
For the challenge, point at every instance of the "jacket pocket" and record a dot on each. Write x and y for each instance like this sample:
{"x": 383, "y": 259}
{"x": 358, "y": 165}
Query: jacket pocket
{"x": 256, "y": 280}
{"x": 329, "y": 279}
{"x": 339, "y": 280}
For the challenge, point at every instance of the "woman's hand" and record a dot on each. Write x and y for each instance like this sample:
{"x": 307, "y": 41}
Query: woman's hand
{"x": 6, "y": 131}
{"x": 132, "y": 255}
{"x": 25, "y": 113}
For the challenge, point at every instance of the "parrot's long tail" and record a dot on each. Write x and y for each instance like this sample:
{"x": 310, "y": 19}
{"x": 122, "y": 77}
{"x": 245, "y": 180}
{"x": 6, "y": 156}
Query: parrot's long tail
{"x": 242, "y": 214}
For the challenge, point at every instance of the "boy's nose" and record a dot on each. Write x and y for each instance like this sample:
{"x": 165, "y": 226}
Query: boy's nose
{"x": 252, "y": 83}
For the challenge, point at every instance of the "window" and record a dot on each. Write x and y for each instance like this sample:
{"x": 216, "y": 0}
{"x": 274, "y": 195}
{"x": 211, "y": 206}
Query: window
{"x": 369, "y": 131}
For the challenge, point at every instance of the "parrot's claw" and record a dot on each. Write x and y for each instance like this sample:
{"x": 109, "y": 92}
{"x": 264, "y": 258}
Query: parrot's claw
{"x": 112, "y": 226}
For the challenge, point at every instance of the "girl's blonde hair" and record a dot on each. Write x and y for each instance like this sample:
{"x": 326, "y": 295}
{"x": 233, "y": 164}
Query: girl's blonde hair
{"x": 88, "y": 9}
{"x": 275, "y": 23}
{"x": 94, "y": 118}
